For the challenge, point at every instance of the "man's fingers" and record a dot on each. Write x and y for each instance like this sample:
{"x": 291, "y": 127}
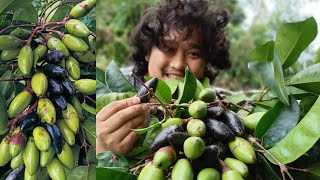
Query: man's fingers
{"x": 126, "y": 128}
{"x": 116, "y": 106}
{"x": 129, "y": 140}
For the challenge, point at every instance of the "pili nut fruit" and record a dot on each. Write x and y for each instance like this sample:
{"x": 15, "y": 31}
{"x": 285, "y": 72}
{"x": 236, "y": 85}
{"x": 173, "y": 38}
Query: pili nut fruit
{"x": 77, "y": 28}
{"x": 19, "y": 103}
{"x": 251, "y": 121}
{"x": 55, "y": 56}
{"x": 39, "y": 83}
{"x": 87, "y": 86}
{"x": 46, "y": 156}
{"x": 85, "y": 57}
{"x": 25, "y": 60}
{"x": 215, "y": 112}
{"x": 28, "y": 122}
{"x": 46, "y": 111}
{"x": 182, "y": 170}
{"x": 82, "y": 8}
{"x": 67, "y": 86}
{"x": 151, "y": 172}
{"x": 41, "y": 138}
{"x": 196, "y": 127}
{"x": 66, "y": 156}
{"x": 208, "y": 174}
{"x": 161, "y": 139}
{"x": 53, "y": 70}
{"x": 56, "y": 170}
{"x": 232, "y": 120}
{"x": 73, "y": 68}
{"x": 17, "y": 143}
{"x": 172, "y": 121}
{"x": 4, "y": 151}
{"x": 164, "y": 157}
{"x": 55, "y": 87}
{"x": 70, "y": 116}
{"x": 66, "y": 132}
{"x": 207, "y": 95}
{"x": 231, "y": 175}
{"x": 59, "y": 101}
{"x": 7, "y": 55}
{"x": 35, "y": 176}
{"x": 237, "y": 165}
{"x": 31, "y": 156}
{"x": 41, "y": 51}
{"x": 56, "y": 137}
{"x": 242, "y": 150}
{"x": 193, "y": 147}
{"x": 143, "y": 92}
{"x": 56, "y": 44}
{"x": 176, "y": 140}
{"x": 74, "y": 43}
{"x": 20, "y": 33}
{"x": 208, "y": 159}
{"x": 17, "y": 161}
{"x": 9, "y": 42}
{"x": 218, "y": 130}
{"x": 77, "y": 105}
{"x": 198, "y": 109}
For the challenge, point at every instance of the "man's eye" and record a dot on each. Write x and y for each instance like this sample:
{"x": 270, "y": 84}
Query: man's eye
{"x": 168, "y": 49}
{"x": 194, "y": 55}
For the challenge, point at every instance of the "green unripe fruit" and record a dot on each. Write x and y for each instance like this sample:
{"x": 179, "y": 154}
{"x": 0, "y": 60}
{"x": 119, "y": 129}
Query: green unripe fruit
{"x": 17, "y": 161}
{"x": 74, "y": 43}
{"x": 31, "y": 156}
{"x": 73, "y": 68}
{"x": 19, "y": 103}
{"x": 87, "y": 86}
{"x": 56, "y": 44}
{"x": 66, "y": 157}
{"x": 207, "y": 95}
{"x": 231, "y": 175}
{"x": 25, "y": 60}
{"x": 56, "y": 170}
{"x": 4, "y": 152}
{"x": 164, "y": 157}
{"x": 35, "y": 176}
{"x": 7, "y": 55}
{"x": 242, "y": 150}
{"x": 196, "y": 127}
{"x": 193, "y": 147}
{"x": 182, "y": 170}
{"x": 85, "y": 57}
{"x": 77, "y": 28}
{"x": 71, "y": 118}
{"x": 151, "y": 172}
{"x": 17, "y": 142}
{"x": 39, "y": 84}
{"x": 208, "y": 174}
{"x": 9, "y": 42}
{"x": 198, "y": 109}
{"x": 66, "y": 132}
{"x": 251, "y": 121}
{"x": 171, "y": 121}
{"x": 46, "y": 157}
{"x": 20, "y": 33}
{"x": 82, "y": 8}
{"x": 41, "y": 138}
{"x": 77, "y": 105}
{"x": 46, "y": 111}
{"x": 237, "y": 165}
{"x": 41, "y": 51}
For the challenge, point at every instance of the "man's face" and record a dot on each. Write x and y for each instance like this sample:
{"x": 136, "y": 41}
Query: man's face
{"x": 171, "y": 61}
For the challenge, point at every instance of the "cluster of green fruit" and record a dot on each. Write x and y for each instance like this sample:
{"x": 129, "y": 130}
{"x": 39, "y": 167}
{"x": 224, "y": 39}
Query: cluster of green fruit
{"x": 48, "y": 110}
{"x": 196, "y": 146}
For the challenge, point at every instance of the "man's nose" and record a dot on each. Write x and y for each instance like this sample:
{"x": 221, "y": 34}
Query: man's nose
{"x": 178, "y": 61}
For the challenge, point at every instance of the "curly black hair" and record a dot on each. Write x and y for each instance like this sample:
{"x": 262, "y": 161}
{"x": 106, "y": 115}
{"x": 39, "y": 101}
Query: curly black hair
{"x": 182, "y": 15}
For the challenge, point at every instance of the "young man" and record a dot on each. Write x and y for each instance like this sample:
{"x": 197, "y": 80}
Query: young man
{"x": 170, "y": 37}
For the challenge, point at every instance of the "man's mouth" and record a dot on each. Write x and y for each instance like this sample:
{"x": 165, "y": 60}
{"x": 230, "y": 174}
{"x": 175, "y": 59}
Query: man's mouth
{"x": 174, "y": 75}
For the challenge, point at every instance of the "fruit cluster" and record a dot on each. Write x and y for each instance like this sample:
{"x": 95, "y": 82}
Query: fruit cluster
{"x": 210, "y": 141}
{"x": 46, "y": 115}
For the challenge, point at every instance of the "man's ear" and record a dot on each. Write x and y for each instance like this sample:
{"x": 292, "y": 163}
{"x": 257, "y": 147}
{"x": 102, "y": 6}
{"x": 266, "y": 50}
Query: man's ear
{"x": 147, "y": 57}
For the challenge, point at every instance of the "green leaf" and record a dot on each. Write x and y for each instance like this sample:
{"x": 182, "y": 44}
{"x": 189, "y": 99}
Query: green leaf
{"x": 316, "y": 58}
{"x": 144, "y": 130}
{"x": 4, "y": 115}
{"x": 268, "y": 171}
{"x": 59, "y": 14}
{"x": 267, "y": 120}
{"x": 116, "y": 81}
{"x": 104, "y": 100}
{"x": 188, "y": 89}
{"x": 263, "y": 53}
{"x": 237, "y": 98}
{"x": 300, "y": 139}
{"x": 106, "y": 173}
{"x": 7, "y": 87}
{"x": 163, "y": 91}
{"x": 206, "y": 82}
{"x": 27, "y": 14}
{"x": 307, "y": 102}
{"x": 101, "y": 89}
{"x": 112, "y": 161}
{"x": 4, "y": 4}
{"x": 83, "y": 172}
{"x": 88, "y": 108}
{"x": 282, "y": 125}
{"x": 315, "y": 169}
{"x": 90, "y": 131}
{"x": 172, "y": 84}
{"x": 75, "y": 152}
{"x": 293, "y": 38}
{"x": 199, "y": 89}
{"x": 272, "y": 75}
{"x": 101, "y": 76}
{"x": 308, "y": 79}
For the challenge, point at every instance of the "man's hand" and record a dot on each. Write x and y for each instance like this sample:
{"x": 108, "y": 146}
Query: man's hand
{"x": 115, "y": 121}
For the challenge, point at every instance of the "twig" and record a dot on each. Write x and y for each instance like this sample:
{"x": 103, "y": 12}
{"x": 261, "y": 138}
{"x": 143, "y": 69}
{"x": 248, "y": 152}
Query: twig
{"x": 298, "y": 169}
{"x": 18, "y": 25}
{"x": 236, "y": 105}
{"x": 90, "y": 98}
{"x": 85, "y": 145}
{"x": 15, "y": 79}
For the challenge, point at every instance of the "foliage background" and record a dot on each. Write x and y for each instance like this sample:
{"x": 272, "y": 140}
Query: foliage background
{"x": 252, "y": 23}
